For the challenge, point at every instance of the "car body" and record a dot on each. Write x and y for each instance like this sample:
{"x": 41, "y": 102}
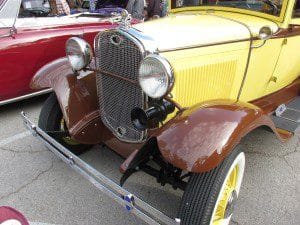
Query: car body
{"x": 182, "y": 92}
{"x": 27, "y": 44}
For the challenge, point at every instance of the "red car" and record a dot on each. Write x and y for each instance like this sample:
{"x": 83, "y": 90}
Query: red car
{"x": 27, "y": 44}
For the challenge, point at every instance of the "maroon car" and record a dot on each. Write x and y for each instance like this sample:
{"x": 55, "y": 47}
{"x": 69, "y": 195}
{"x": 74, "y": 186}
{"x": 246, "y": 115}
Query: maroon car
{"x": 27, "y": 44}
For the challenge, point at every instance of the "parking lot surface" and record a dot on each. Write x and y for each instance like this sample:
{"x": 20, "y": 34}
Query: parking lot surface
{"x": 47, "y": 191}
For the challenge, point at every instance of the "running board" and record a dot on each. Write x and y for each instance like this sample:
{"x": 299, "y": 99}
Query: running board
{"x": 133, "y": 204}
{"x": 287, "y": 117}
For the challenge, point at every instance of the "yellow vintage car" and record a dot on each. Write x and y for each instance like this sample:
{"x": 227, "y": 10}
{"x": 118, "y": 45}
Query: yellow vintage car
{"x": 174, "y": 97}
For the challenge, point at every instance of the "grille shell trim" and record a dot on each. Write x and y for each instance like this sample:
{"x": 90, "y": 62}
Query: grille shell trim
{"x": 101, "y": 76}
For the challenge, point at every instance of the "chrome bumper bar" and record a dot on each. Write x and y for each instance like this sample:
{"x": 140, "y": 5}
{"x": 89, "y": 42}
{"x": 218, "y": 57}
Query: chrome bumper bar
{"x": 132, "y": 203}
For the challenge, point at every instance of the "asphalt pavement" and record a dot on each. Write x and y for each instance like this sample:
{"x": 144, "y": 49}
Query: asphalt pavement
{"x": 47, "y": 191}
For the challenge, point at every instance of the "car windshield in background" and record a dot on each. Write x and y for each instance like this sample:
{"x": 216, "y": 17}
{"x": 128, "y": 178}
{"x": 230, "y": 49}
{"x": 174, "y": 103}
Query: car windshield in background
{"x": 272, "y": 7}
{"x": 36, "y": 5}
{"x": 8, "y": 12}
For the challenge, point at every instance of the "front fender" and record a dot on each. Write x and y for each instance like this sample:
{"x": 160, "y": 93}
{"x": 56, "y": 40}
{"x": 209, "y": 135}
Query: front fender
{"x": 199, "y": 138}
{"x": 48, "y": 75}
{"x": 77, "y": 98}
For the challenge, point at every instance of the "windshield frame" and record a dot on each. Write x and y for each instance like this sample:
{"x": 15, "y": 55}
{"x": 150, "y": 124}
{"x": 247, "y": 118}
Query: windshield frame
{"x": 14, "y": 14}
{"x": 279, "y": 18}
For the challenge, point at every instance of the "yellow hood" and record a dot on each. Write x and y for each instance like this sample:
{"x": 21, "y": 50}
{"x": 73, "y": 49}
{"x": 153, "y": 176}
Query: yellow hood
{"x": 188, "y": 30}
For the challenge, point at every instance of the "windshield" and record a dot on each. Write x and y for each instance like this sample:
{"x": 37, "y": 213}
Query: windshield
{"x": 272, "y": 7}
{"x": 8, "y": 12}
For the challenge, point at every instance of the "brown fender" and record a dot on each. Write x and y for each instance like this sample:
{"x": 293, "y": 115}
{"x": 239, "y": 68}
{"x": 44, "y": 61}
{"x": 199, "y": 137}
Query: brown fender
{"x": 199, "y": 138}
{"x": 78, "y": 100}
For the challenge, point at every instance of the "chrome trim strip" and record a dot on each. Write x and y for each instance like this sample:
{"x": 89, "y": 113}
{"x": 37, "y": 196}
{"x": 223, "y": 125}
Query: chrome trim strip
{"x": 4, "y": 102}
{"x": 133, "y": 204}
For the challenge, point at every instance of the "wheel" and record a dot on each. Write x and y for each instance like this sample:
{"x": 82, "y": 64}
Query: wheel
{"x": 210, "y": 197}
{"x": 51, "y": 121}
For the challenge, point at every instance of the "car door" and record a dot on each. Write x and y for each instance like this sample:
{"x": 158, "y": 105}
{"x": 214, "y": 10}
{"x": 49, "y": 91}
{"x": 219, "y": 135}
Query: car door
{"x": 30, "y": 48}
{"x": 262, "y": 63}
{"x": 8, "y": 13}
{"x": 288, "y": 65}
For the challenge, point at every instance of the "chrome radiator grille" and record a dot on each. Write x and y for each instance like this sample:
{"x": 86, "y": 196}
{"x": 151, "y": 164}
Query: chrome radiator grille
{"x": 118, "y": 58}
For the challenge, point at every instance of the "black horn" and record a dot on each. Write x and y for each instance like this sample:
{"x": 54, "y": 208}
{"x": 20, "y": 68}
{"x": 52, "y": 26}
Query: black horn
{"x": 158, "y": 112}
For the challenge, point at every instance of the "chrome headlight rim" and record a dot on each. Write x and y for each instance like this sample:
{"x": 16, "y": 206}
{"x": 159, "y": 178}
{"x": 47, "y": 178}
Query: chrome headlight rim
{"x": 84, "y": 51}
{"x": 168, "y": 71}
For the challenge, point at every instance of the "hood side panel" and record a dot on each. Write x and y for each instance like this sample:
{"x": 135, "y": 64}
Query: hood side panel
{"x": 208, "y": 73}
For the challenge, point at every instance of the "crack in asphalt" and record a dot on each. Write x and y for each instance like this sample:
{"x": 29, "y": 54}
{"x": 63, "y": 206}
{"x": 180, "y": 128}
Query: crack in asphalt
{"x": 289, "y": 153}
{"x": 262, "y": 153}
{"x": 283, "y": 157}
{"x": 28, "y": 183}
{"x": 289, "y": 165}
{"x": 296, "y": 149}
{"x": 12, "y": 139}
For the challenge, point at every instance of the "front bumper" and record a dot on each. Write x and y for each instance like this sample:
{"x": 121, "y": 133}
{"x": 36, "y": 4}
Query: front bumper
{"x": 132, "y": 203}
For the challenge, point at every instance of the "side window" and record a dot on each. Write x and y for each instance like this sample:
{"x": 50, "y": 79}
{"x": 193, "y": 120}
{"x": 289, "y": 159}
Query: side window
{"x": 296, "y": 13}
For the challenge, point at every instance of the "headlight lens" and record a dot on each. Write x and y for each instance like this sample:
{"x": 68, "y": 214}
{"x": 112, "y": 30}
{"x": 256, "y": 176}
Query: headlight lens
{"x": 155, "y": 76}
{"x": 79, "y": 53}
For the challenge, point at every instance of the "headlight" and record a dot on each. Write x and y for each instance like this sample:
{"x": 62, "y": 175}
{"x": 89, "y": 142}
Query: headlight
{"x": 79, "y": 53}
{"x": 155, "y": 76}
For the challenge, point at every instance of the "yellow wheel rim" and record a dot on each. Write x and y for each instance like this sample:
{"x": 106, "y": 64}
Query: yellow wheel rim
{"x": 229, "y": 188}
